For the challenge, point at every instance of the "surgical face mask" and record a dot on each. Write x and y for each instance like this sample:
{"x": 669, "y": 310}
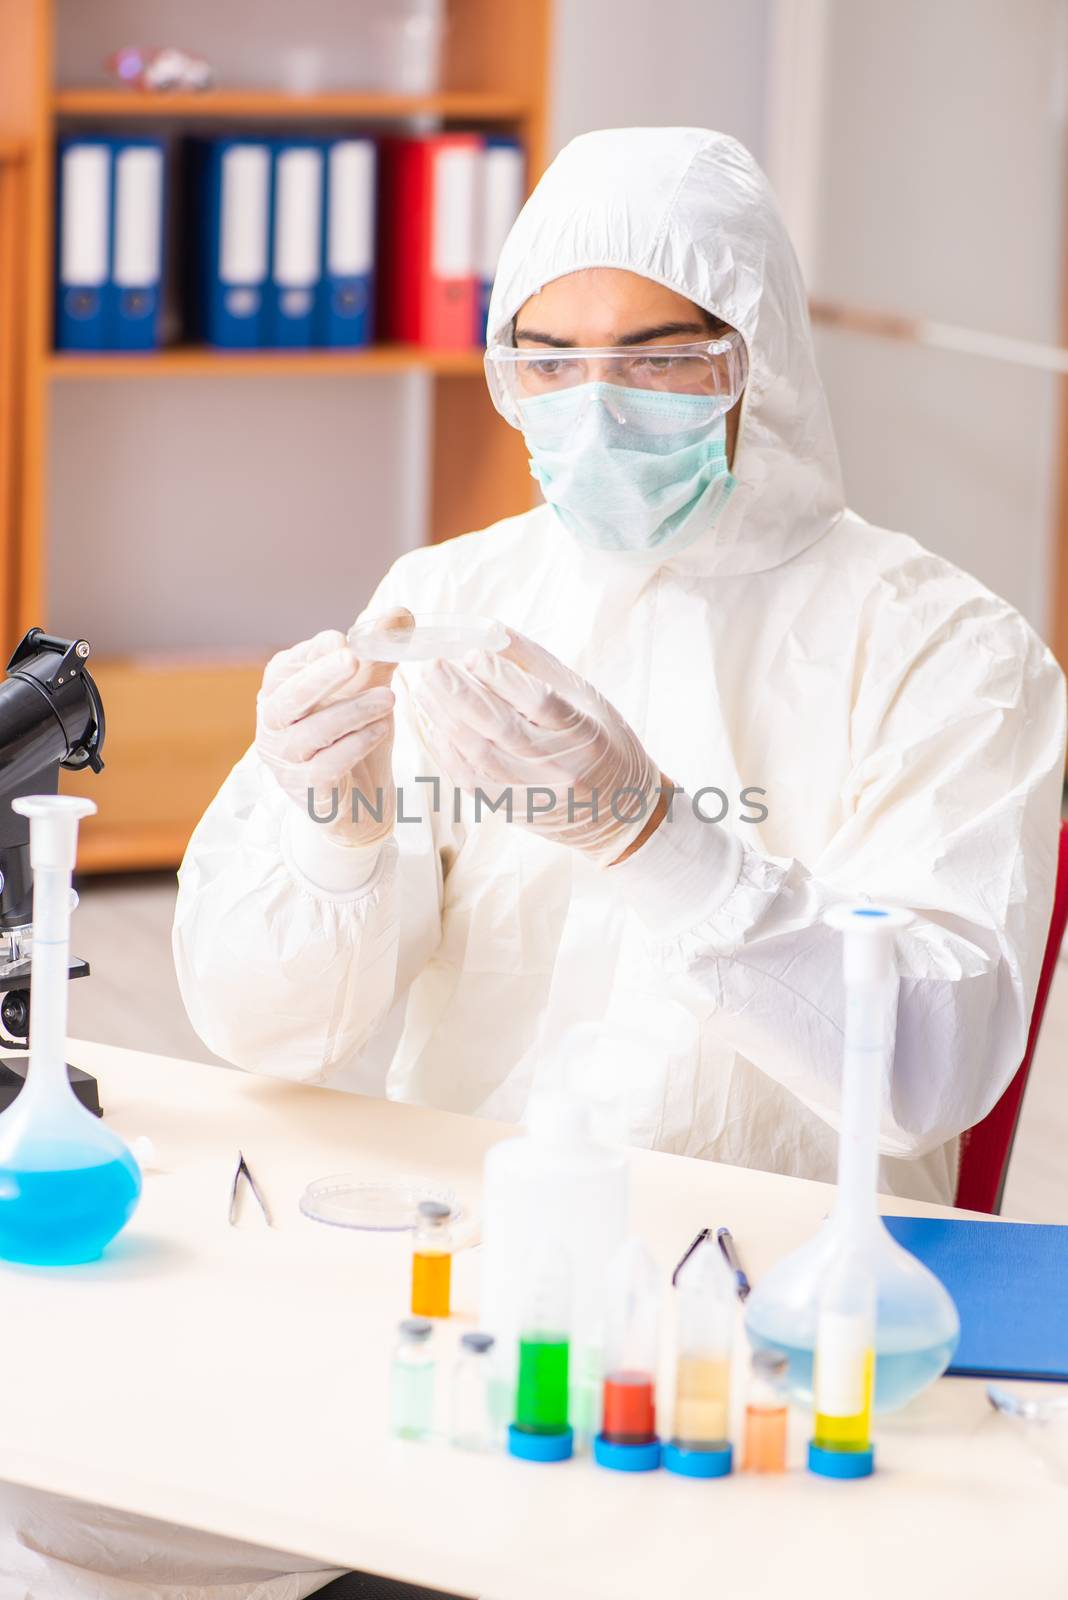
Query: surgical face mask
{"x": 631, "y": 470}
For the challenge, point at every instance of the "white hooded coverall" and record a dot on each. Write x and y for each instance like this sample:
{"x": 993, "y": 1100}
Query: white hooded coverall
{"x": 906, "y": 725}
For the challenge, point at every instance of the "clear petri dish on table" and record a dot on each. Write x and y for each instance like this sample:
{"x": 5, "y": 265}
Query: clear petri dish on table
{"x": 436, "y": 636}
{"x": 379, "y": 1205}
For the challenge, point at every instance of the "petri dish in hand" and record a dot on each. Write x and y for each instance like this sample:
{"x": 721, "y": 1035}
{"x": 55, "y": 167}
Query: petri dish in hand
{"x": 436, "y": 636}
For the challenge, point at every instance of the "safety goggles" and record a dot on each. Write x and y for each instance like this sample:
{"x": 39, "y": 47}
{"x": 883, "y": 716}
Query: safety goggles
{"x": 715, "y": 367}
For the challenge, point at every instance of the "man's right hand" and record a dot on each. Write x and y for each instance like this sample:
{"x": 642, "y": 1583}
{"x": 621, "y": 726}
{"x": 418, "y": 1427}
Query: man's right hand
{"x": 324, "y": 723}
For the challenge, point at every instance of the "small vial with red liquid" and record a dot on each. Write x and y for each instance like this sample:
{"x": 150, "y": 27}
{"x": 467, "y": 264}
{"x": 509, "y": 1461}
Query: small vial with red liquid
{"x": 628, "y": 1439}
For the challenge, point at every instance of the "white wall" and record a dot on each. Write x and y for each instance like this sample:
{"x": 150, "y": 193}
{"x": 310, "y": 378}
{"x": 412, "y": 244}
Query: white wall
{"x": 920, "y": 166}
{"x": 674, "y": 63}
{"x": 942, "y": 164}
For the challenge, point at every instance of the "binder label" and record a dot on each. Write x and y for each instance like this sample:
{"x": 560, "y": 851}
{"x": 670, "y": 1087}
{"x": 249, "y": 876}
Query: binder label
{"x": 84, "y": 217}
{"x": 298, "y": 218}
{"x": 138, "y": 221}
{"x": 502, "y": 197}
{"x": 244, "y": 203}
{"x": 452, "y": 244}
{"x": 350, "y": 209}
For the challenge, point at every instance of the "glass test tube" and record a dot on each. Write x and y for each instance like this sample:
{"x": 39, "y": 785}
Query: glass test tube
{"x": 472, "y": 1424}
{"x": 431, "y": 1261}
{"x": 707, "y": 1309}
{"x": 844, "y": 1371}
{"x": 413, "y": 1380}
{"x": 632, "y": 1336}
{"x": 587, "y": 1385}
{"x": 766, "y": 1415}
{"x": 541, "y": 1430}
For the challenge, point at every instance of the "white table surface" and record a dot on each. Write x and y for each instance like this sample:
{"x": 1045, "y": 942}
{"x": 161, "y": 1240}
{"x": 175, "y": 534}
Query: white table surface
{"x": 236, "y": 1380}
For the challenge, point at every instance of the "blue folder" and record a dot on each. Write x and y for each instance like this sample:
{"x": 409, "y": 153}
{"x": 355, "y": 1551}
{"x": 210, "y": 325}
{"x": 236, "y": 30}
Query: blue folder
{"x": 109, "y": 243}
{"x": 346, "y": 311}
{"x": 1010, "y": 1284}
{"x": 83, "y": 242}
{"x": 134, "y": 293}
{"x": 296, "y": 249}
{"x": 231, "y": 183}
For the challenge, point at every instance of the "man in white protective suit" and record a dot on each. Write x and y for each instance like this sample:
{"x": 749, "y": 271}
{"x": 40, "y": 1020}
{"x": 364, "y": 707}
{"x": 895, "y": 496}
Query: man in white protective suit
{"x": 726, "y": 704}
{"x": 904, "y": 729}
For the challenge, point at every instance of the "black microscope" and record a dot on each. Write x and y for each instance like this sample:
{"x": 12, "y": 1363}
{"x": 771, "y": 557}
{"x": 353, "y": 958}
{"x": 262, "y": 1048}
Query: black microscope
{"x": 50, "y": 717}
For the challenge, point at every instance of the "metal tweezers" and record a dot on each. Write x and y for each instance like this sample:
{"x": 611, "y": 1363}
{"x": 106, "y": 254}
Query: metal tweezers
{"x": 243, "y": 1170}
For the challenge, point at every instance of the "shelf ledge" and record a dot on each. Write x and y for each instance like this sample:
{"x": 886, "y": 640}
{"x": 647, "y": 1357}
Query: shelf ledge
{"x": 253, "y": 105}
{"x": 201, "y": 361}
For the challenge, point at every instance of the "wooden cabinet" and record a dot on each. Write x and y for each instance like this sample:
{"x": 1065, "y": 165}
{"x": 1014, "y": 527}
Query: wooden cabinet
{"x": 177, "y": 722}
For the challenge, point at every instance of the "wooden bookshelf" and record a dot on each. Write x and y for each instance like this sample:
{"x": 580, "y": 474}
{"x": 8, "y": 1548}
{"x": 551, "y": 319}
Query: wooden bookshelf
{"x": 201, "y": 361}
{"x": 175, "y": 726}
{"x": 12, "y": 225}
{"x": 262, "y": 105}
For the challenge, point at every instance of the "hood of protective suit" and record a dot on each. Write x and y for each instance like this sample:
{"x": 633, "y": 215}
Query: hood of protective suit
{"x": 692, "y": 210}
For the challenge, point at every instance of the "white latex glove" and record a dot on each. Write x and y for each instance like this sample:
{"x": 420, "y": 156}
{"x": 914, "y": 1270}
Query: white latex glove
{"x": 520, "y": 719}
{"x": 324, "y": 722}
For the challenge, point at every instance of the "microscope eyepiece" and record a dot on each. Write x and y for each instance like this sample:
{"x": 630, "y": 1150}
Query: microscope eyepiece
{"x": 50, "y": 717}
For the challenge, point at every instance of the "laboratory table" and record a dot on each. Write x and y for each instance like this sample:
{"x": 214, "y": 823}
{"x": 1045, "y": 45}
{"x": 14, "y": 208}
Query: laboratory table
{"x": 235, "y": 1380}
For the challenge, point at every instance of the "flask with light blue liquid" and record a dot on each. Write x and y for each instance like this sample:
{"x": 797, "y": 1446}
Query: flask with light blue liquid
{"x": 916, "y": 1323}
{"x": 68, "y": 1184}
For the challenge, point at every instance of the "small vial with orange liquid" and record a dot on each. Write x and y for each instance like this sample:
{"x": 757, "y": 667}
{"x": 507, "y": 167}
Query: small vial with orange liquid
{"x": 432, "y": 1261}
{"x": 628, "y": 1440}
{"x": 766, "y": 1413}
{"x": 844, "y": 1373}
{"x": 707, "y": 1309}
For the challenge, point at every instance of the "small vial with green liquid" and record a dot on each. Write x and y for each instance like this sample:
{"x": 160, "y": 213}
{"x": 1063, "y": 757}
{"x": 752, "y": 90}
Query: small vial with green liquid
{"x": 413, "y": 1380}
{"x": 541, "y": 1430}
{"x": 844, "y": 1374}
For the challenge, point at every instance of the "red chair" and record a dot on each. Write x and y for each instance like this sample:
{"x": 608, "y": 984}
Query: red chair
{"x": 986, "y": 1148}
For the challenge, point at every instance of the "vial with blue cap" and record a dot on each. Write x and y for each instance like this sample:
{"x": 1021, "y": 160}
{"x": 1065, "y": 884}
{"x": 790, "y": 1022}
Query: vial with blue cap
{"x": 628, "y": 1440}
{"x": 541, "y": 1430}
{"x": 706, "y": 1311}
{"x": 916, "y": 1327}
{"x": 844, "y": 1374}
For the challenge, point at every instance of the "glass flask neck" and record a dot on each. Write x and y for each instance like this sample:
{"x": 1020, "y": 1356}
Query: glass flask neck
{"x": 867, "y": 1059}
{"x": 50, "y": 963}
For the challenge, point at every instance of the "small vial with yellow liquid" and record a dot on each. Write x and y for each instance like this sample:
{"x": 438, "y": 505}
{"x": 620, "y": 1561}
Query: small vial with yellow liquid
{"x": 844, "y": 1374}
{"x": 707, "y": 1309}
{"x": 432, "y": 1261}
